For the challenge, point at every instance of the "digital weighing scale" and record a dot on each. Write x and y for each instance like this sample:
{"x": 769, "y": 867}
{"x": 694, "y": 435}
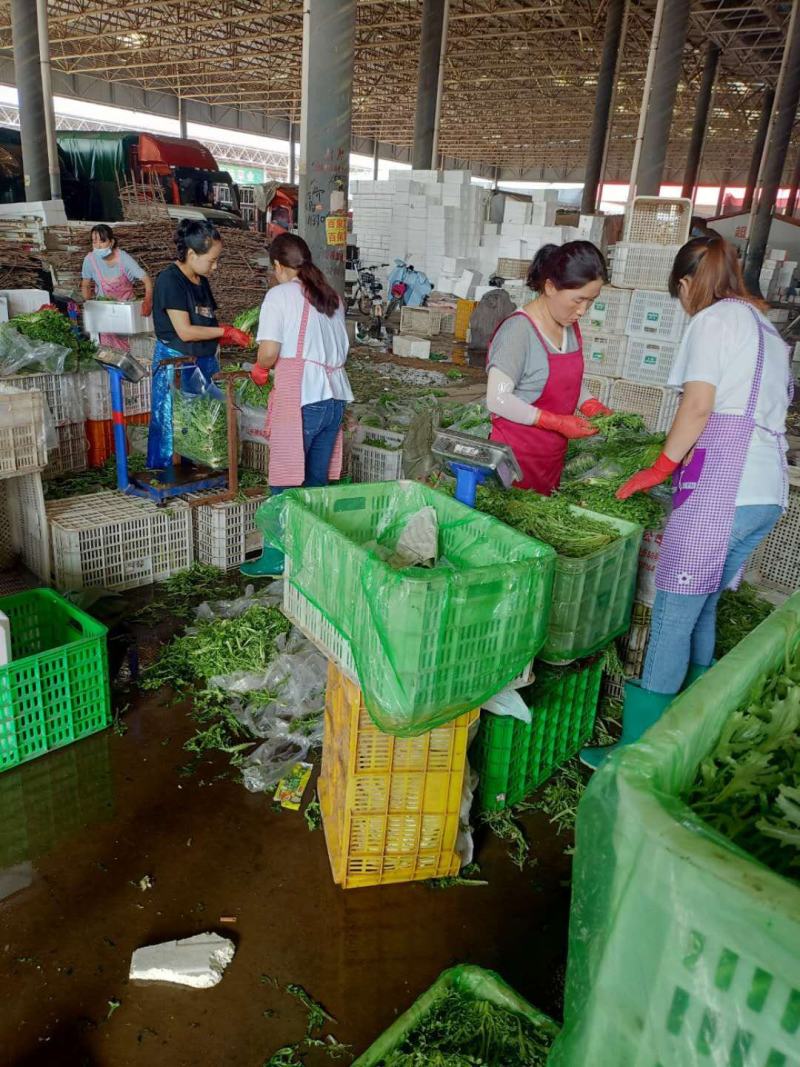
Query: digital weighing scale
{"x": 474, "y": 461}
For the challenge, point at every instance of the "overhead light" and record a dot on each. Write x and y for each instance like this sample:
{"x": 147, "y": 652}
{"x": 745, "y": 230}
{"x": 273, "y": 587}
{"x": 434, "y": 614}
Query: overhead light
{"x": 132, "y": 40}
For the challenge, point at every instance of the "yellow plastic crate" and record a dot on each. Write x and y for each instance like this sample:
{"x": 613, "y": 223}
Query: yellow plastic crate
{"x": 390, "y": 805}
{"x": 464, "y": 309}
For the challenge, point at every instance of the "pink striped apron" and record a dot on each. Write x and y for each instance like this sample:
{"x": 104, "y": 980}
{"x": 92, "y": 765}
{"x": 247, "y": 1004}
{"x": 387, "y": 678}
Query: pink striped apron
{"x": 287, "y": 458}
{"x": 119, "y": 288}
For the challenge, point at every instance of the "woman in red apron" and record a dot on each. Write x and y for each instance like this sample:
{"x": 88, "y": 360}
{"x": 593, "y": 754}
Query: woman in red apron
{"x": 302, "y": 334}
{"x": 535, "y": 365}
{"x": 110, "y": 272}
{"x": 726, "y": 454}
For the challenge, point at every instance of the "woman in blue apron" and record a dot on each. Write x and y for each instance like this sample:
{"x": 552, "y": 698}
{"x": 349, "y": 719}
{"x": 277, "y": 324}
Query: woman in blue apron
{"x": 185, "y": 323}
{"x": 726, "y": 455}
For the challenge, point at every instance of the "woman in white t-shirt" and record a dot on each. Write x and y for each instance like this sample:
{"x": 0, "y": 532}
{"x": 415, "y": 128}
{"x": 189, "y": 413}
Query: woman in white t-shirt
{"x": 302, "y": 335}
{"x": 726, "y": 454}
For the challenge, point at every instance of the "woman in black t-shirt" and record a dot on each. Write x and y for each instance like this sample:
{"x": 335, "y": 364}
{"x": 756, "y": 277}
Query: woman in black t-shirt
{"x": 185, "y": 322}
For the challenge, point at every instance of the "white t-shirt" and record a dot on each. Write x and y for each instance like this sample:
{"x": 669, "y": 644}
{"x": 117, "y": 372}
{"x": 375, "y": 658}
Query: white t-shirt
{"x": 720, "y": 347}
{"x": 326, "y": 342}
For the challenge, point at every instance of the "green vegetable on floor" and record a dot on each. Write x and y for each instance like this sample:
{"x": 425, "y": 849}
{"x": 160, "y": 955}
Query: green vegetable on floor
{"x": 463, "y": 1031}
{"x": 548, "y": 519}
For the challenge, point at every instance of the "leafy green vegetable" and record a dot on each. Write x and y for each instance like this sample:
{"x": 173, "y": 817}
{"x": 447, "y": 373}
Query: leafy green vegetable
{"x": 462, "y": 1031}
{"x": 200, "y": 428}
{"x": 549, "y": 519}
{"x": 317, "y": 1016}
{"x": 47, "y": 325}
{"x": 597, "y": 494}
{"x": 468, "y": 876}
{"x": 91, "y": 481}
{"x": 738, "y": 612}
{"x": 248, "y": 394}
{"x": 182, "y": 592}
{"x": 313, "y": 814}
{"x": 248, "y": 321}
{"x": 504, "y": 825}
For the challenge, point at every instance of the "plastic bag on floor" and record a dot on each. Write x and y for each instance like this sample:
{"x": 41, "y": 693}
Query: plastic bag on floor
{"x": 270, "y": 596}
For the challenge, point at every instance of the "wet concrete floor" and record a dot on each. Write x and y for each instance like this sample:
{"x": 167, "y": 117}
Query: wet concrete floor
{"x": 83, "y": 826}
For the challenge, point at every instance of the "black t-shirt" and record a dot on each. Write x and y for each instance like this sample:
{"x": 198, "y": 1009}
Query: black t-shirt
{"x": 175, "y": 292}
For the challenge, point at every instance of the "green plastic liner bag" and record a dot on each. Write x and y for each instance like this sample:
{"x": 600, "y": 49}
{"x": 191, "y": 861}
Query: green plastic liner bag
{"x": 200, "y": 422}
{"x": 426, "y": 643}
{"x": 683, "y": 949}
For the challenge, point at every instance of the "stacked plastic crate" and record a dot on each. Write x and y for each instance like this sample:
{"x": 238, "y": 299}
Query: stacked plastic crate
{"x": 23, "y": 456}
{"x": 97, "y": 408}
{"x": 635, "y": 326}
{"x": 64, "y": 400}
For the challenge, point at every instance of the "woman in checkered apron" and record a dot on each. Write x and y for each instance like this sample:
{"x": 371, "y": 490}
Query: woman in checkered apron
{"x": 726, "y": 454}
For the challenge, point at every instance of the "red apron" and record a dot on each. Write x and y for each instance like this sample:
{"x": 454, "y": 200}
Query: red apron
{"x": 119, "y": 288}
{"x": 287, "y": 456}
{"x": 540, "y": 453}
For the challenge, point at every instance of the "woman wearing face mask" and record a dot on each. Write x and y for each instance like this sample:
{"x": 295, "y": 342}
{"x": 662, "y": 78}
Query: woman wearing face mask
{"x": 185, "y": 323}
{"x": 726, "y": 455}
{"x": 109, "y": 271}
{"x": 302, "y": 334}
{"x": 535, "y": 365}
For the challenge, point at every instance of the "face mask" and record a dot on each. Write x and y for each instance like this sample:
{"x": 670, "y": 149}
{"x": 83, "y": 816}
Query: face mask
{"x": 103, "y": 252}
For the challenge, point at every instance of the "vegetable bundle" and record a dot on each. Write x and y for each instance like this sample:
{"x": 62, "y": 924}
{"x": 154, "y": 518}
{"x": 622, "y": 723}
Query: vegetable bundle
{"x": 248, "y": 321}
{"x": 49, "y": 325}
{"x": 748, "y": 789}
{"x": 548, "y": 519}
{"x": 461, "y": 1031}
{"x": 598, "y": 494}
{"x": 200, "y": 427}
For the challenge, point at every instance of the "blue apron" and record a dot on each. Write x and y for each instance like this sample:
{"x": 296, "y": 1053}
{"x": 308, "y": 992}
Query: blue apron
{"x": 159, "y": 439}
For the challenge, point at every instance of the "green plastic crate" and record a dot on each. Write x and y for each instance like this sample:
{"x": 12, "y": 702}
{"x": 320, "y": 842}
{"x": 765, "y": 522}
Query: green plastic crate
{"x": 469, "y": 981}
{"x": 55, "y": 688}
{"x": 512, "y": 758}
{"x": 683, "y": 949}
{"x": 593, "y": 596}
{"x": 428, "y": 644}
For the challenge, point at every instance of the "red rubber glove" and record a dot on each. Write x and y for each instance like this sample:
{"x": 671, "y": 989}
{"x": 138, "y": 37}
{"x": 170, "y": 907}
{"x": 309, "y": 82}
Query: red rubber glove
{"x": 232, "y": 336}
{"x": 592, "y": 407}
{"x": 147, "y": 306}
{"x": 259, "y": 375}
{"x": 649, "y": 477}
{"x": 569, "y": 426}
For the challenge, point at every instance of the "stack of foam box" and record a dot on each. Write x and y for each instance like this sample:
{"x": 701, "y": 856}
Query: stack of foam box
{"x": 526, "y": 226}
{"x": 777, "y": 273}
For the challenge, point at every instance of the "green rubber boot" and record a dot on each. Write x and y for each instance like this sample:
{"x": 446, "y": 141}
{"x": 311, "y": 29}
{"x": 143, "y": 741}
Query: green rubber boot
{"x": 640, "y": 710}
{"x": 695, "y": 671}
{"x": 268, "y": 565}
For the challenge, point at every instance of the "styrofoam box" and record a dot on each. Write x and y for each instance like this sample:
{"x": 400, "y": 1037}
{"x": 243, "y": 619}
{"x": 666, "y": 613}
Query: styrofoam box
{"x": 225, "y": 532}
{"x": 23, "y": 301}
{"x": 777, "y": 253}
{"x": 116, "y": 541}
{"x": 411, "y": 347}
{"x": 110, "y": 316}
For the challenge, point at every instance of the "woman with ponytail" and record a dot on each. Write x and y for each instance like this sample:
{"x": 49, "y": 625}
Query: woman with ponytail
{"x": 302, "y": 335}
{"x": 535, "y": 364}
{"x": 185, "y": 324}
{"x": 726, "y": 455}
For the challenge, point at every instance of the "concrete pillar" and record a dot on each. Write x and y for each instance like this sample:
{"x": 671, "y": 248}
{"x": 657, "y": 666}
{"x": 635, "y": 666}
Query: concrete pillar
{"x": 327, "y": 85}
{"x": 183, "y": 126}
{"x": 700, "y": 124}
{"x": 777, "y": 147}
{"x": 375, "y": 160}
{"x": 791, "y": 202}
{"x": 666, "y": 75}
{"x": 28, "y": 76}
{"x": 53, "y": 166}
{"x": 426, "y": 115}
{"x": 726, "y": 177}
{"x": 603, "y": 97}
{"x": 292, "y": 153}
{"x": 758, "y": 148}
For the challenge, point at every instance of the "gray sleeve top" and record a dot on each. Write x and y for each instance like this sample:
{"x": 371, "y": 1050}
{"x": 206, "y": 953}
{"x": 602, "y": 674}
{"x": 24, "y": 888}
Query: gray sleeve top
{"x": 517, "y": 351}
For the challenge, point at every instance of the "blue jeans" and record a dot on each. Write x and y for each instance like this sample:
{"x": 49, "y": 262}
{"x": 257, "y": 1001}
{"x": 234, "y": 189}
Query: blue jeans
{"x": 683, "y": 628}
{"x": 321, "y": 424}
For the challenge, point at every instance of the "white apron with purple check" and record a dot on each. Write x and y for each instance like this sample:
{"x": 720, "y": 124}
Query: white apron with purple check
{"x": 697, "y": 535}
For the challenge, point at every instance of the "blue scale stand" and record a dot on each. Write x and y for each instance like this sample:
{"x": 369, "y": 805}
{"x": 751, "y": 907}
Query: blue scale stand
{"x": 474, "y": 461}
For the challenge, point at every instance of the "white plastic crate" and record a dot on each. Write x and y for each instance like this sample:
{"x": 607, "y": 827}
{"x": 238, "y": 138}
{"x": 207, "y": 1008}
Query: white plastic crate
{"x": 27, "y": 522}
{"x": 598, "y": 387}
{"x": 605, "y": 354}
{"x": 655, "y": 403}
{"x": 142, "y": 346}
{"x": 117, "y": 541}
{"x": 97, "y": 395}
{"x": 609, "y": 313}
{"x": 649, "y": 361}
{"x": 225, "y": 533}
{"x": 656, "y": 316}
{"x": 71, "y": 455}
{"x": 371, "y": 462}
{"x": 62, "y": 393}
{"x": 637, "y": 266}
{"x": 22, "y": 432}
{"x": 112, "y": 316}
{"x": 659, "y": 220}
{"x": 255, "y": 456}
{"x": 7, "y": 551}
{"x": 775, "y": 566}
{"x": 423, "y": 322}
{"x": 411, "y": 347}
